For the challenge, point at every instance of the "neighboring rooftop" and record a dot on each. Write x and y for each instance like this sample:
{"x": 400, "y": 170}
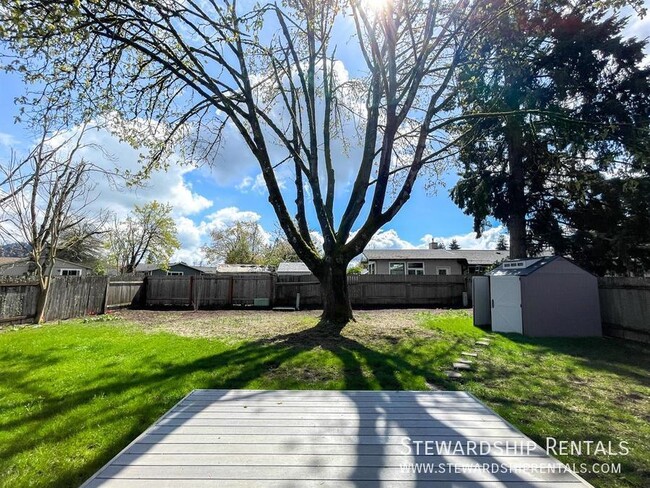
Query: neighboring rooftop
{"x": 472, "y": 256}
{"x": 10, "y": 260}
{"x": 293, "y": 267}
{"x": 236, "y": 268}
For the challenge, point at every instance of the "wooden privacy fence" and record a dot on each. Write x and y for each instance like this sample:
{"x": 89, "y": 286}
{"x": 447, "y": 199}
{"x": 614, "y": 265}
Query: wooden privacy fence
{"x": 379, "y": 290}
{"x": 18, "y": 299}
{"x": 125, "y": 291}
{"x": 76, "y": 297}
{"x": 211, "y": 291}
{"x": 625, "y": 307}
{"x": 69, "y": 297}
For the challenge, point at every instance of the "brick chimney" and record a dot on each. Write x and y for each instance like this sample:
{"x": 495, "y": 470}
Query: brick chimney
{"x": 433, "y": 244}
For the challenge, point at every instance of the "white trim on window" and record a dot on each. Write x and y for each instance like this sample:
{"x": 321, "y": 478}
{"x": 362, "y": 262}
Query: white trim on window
{"x": 397, "y": 263}
{"x": 69, "y": 272}
{"x": 446, "y": 270}
{"x": 174, "y": 273}
{"x": 372, "y": 267}
{"x": 416, "y": 268}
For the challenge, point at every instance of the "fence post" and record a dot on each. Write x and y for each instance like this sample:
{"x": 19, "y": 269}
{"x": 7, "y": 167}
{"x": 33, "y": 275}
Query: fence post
{"x": 231, "y": 290}
{"x": 108, "y": 285}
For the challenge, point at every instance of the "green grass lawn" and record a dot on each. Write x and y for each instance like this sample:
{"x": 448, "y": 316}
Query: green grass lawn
{"x": 74, "y": 394}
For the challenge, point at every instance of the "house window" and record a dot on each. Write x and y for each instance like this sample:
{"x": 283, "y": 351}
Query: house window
{"x": 372, "y": 268}
{"x": 415, "y": 268}
{"x": 396, "y": 268}
{"x": 70, "y": 272}
{"x": 174, "y": 273}
{"x": 443, "y": 270}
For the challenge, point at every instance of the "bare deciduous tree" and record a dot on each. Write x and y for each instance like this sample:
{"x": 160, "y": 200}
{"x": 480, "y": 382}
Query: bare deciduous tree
{"x": 186, "y": 71}
{"x": 46, "y": 197}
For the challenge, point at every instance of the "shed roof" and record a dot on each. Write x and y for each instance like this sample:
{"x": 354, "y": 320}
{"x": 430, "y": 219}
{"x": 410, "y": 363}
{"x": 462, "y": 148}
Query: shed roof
{"x": 536, "y": 263}
{"x": 471, "y": 256}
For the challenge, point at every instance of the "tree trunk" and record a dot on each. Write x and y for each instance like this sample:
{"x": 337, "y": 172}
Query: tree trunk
{"x": 336, "y": 299}
{"x": 516, "y": 177}
{"x": 516, "y": 190}
{"x": 41, "y": 304}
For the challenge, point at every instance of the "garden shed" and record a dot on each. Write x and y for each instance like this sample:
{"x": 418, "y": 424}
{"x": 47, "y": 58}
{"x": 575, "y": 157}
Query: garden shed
{"x": 544, "y": 297}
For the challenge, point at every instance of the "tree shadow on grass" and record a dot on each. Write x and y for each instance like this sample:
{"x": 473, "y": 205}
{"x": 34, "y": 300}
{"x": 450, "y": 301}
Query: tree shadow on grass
{"x": 144, "y": 395}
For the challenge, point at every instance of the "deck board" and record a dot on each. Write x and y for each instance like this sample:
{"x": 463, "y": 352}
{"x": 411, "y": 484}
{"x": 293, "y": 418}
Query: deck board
{"x": 237, "y": 438}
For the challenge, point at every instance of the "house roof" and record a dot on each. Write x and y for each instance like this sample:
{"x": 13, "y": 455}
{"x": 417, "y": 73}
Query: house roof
{"x": 240, "y": 268}
{"x": 4, "y": 261}
{"x": 143, "y": 268}
{"x": 7, "y": 260}
{"x": 58, "y": 261}
{"x": 293, "y": 267}
{"x": 473, "y": 257}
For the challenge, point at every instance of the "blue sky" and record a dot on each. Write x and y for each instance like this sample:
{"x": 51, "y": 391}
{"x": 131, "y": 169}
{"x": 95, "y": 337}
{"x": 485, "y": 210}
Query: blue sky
{"x": 211, "y": 197}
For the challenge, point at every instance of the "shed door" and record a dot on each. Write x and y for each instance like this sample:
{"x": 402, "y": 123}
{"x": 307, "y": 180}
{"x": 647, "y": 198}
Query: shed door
{"x": 481, "y": 300}
{"x": 506, "y": 304}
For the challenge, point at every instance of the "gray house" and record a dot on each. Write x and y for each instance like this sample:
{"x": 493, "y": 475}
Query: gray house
{"x": 174, "y": 269}
{"x": 542, "y": 297}
{"x": 430, "y": 261}
{"x": 26, "y": 267}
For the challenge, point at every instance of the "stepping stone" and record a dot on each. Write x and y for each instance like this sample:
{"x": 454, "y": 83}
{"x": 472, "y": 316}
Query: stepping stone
{"x": 469, "y": 354}
{"x": 464, "y": 361}
{"x": 463, "y": 366}
{"x": 482, "y": 343}
{"x": 454, "y": 375}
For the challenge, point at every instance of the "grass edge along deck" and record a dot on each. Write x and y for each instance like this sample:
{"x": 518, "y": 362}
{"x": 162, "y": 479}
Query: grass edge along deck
{"x": 339, "y": 439}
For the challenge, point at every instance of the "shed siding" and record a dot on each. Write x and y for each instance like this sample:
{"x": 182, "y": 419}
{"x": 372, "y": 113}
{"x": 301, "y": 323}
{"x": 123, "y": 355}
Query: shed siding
{"x": 560, "y": 300}
{"x": 430, "y": 265}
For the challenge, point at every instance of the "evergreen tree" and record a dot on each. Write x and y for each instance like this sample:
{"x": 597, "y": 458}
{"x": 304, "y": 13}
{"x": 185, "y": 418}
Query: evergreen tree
{"x": 453, "y": 245}
{"x": 575, "y": 103}
{"x": 501, "y": 243}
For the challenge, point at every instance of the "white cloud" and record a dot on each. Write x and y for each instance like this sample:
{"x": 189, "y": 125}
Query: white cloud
{"x": 169, "y": 186}
{"x": 193, "y": 235}
{"x": 388, "y": 239}
{"x": 245, "y": 184}
{"x": 7, "y": 140}
{"x": 488, "y": 239}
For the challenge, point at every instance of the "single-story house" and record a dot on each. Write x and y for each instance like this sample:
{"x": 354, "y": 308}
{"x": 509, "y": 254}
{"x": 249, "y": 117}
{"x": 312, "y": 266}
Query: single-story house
{"x": 292, "y": 268}
{"x": 26, "y": 267}
{"x": 430, "y": 261}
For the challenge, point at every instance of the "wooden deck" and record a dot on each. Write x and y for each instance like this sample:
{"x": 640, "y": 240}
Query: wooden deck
{"x": 246, "y": 438}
